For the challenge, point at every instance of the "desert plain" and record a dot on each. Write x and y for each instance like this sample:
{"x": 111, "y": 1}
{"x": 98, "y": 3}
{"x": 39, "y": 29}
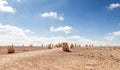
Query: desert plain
{"x": 79, "y": 58}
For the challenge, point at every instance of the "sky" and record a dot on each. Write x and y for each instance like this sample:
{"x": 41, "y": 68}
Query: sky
{"x": 51, "y": 21}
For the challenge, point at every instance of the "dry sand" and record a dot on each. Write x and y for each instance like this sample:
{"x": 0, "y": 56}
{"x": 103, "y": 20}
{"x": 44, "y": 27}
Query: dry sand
{"x": 94, "y": 58}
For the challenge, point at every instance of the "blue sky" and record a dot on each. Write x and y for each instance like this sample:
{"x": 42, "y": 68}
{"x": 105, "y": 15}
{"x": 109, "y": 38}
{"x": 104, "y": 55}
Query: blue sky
{"x": 50, "y": 21}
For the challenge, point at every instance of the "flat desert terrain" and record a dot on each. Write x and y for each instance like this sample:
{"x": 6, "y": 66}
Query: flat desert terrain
{"x": 80, "y": 58}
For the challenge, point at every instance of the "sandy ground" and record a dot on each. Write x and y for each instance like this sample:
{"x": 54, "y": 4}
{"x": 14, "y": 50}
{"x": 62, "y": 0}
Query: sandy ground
{"x": 94, "y": 58}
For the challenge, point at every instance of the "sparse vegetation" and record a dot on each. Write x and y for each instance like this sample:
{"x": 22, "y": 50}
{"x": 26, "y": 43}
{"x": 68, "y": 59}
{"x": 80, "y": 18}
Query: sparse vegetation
{"x": 31, "y": 45}
{"x": 95, "y": 56}
{"x": 86, "y": 45}
{"x": 92, "y": 45}
{"x": 71, "y": 46}
{"x": 42, "y": 45}
{"x": 49, "y": 46}
{"x": 11, "y": 49}
{"x": 65, "y": 47}
{"x": 58, "y": 45}
{"x": 23, "y": 45}
{"x": 75, "y": 45}
{"x": 79, "y": 45}
{"x": 89, "y": 45}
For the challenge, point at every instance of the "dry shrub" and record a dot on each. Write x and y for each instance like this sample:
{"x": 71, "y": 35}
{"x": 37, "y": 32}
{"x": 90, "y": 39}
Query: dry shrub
{"x": 59, "y": 44}
{"x": 42, "y": 45}
{"x": 23, "y": 45}
{"x": 49, "y": 46}
{"x": 52, "y": 45}
{"x": 71, "y": 46}
{"x": 65, "y": 47}
{"x": 11, "y": 49}
{"x": 31, "y": 45}
{"x": 55, "y": 45}
{"x": 75, "y": 45}
{"x": 92, "y": 45}
{"x": 79, "y": 45}
{"x": 89, "y": 45}
{"x": 86, "y": 45}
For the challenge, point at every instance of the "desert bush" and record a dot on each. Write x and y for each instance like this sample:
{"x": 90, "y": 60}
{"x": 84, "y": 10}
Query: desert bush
{"x": 75, "y": 45}
{"x": 71, "y": 46}
{"x": 59, "y": 45}
{"x": 65, "y": 47}
{"x": 31, "y": 45}
{"x": 11, "y": 49}
{"x": 92, "y": 45}
{"x": 79, "y": 45}
{"x": 49, "y": 46}
{"x": 42, "y": 45}
{"x": 89, "y": 45}
{"x": 52, "y": 45}
{"x": 55, "y": 45}
{"x": 23, "y": 45}
{"x": 86, "y": 45}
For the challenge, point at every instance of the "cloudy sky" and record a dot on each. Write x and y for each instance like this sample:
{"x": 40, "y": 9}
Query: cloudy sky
{"x": 50, "y": 21}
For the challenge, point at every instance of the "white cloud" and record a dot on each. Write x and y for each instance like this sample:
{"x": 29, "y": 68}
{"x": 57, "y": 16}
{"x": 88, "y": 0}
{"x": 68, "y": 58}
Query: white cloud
{"x": 52, "y": 15}
{"x": 61, "y": 18}
{"x": 4, "y": 7}
{"x": 18, "y": 36}
{"x": 113, "y": 6}
{"x": 112, "y": 36}
{"x": 14, "y": 31}
{"x": 21, "y": 1}
{"x": 66, "y": 29}
{"x": 83, "y": 41}
{"x": 117, "y": 33}
{"x": 18, "y": 1}
{"x": 71, "y": 39}
{"x": 12, "y": 34}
